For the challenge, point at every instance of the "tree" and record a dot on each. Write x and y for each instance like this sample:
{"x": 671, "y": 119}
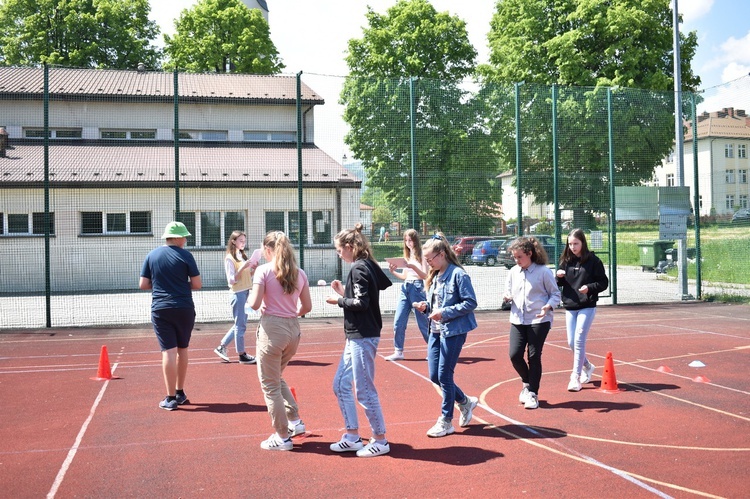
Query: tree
{"x": 222, "y": 36}
{"x": 594, "y": 44}
{"x": 113, "y": 34}
{"x": 414, "y": 51}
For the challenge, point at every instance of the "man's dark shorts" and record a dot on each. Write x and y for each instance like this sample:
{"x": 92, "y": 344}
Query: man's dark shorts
{"x": 173, "y": 326}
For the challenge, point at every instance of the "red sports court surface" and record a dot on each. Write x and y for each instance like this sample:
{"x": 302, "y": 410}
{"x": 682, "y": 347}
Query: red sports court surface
{"x": 672, "y": 431}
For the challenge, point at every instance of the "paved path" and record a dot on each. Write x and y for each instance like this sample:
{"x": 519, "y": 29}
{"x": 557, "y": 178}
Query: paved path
{"x": 113, "y": 309}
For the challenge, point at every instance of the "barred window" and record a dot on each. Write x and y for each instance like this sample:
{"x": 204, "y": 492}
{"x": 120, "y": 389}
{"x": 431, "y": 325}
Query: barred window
{"x": 19, "y": 224}
{"x": 211, "y": 228}
{"x": 53, "y": 133}
{"x": 129, "y": 134}
{"x": 97, "y": 222}
{"x": 288, "y": 222}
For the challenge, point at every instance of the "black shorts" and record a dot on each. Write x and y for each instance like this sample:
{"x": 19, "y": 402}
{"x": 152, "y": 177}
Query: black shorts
{"x": 173, "y": 326}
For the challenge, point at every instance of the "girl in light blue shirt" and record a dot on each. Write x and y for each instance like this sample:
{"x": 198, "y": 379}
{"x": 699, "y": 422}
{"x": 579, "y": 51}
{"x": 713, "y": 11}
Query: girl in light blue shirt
{"x": 532, "y": 290}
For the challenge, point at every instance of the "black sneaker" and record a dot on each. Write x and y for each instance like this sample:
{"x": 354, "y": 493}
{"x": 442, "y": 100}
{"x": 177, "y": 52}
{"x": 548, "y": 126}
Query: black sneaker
{"x": 246, "y": 359}
{"x": 181, "y": 399}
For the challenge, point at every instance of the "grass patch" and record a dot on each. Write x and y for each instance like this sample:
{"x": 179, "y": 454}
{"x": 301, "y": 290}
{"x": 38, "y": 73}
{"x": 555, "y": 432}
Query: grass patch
{"x": 727, "y": 298}
{"x": 391, "y": 249}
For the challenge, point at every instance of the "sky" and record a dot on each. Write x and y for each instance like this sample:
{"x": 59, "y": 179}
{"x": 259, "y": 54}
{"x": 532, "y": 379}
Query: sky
{"x": 311, "y": 36}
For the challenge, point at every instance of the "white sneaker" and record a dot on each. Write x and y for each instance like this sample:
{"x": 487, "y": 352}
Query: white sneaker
{"x": 345, "y": 445}
{"x": 275, "y": 443}
{"x": 574, "y": 385}
{"x": 397, "y": 355}
{"x": 374, "y": 449}
{"x": 586, "y": 373}
{"x": 524, "y": 394}
{"x": 467, "y": 409}
{"x": 296, "y": 429}
{"x": 532, "y": 402}
{"x": 442, "y": 428}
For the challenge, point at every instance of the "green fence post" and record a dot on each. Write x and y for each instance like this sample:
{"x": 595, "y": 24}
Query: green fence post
{"x": 519, "y": 198}
{"x": 696, "y": 204}
{"x": 299, "y": 173}
{"x": 555, "y": 173}
{"x": 176, "y": 103}
{"x": 612, "y": 212}
{"x": 47, "y": 276}
{"x": 413, "y": 142}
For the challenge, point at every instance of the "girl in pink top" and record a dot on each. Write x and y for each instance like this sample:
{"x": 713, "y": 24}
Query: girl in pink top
{"x": 282, "y": 293}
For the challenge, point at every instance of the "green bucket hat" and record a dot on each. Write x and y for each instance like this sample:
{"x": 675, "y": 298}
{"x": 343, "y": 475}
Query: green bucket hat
{"x": 175, "y": 229}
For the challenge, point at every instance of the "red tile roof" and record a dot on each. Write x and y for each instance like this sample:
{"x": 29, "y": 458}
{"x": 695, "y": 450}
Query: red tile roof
{"x": 103, "y": 83}
{"x": 97, "y": 164}
{"x": 727, "y": 123}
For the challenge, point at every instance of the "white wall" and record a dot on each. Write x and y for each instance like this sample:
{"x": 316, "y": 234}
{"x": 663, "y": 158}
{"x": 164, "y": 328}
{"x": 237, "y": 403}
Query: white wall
{"x": 112, "y": 262}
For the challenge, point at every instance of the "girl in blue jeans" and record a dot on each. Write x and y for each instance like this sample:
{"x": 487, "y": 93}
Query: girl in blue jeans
{"x": 412, "y": 291}
{"x": 581, "y": 276}
{"x": 450, "y": 308}
{"x": 239, "y": 270}
{"x": 360, "y": 299}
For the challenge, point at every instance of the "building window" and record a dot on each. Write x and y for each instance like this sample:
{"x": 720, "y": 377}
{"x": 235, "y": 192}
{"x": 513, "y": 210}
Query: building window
{"x": 215, "y": 226}
{"x": 54, "y": 133}
{"x": 743, "y": 200}
{"x": 252, "y": 136}
{"x": 129, "y": 134}
{"x": 207, "y": 135}
{"x": 134, "y": 222}
{"x": 742, "y": 176}
{"x": 730, "y": 202}
{"x": 321, "y": 227}
{"x": 741, "y": 151}
{"x": 700, "y": 201}
{"x": 670, "y": 179}
{"x": 729, "y": 176}
{"x": 728, "y": 150}
{"x": 16, "y": 224}
{"x": 288, "y": 222}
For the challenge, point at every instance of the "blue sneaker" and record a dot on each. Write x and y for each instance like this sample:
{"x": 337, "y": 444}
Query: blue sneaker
{"x": 181, "y": 399}
{"x": 168, "y": 405}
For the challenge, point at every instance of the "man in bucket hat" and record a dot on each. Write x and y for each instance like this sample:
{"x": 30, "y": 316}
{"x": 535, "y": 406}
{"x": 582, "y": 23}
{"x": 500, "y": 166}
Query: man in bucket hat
{"x": 171, "y": 273}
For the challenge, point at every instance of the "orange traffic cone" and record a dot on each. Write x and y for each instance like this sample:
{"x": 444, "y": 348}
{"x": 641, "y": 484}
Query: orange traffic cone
{"x": 609, "y": 381}
{"x": 104, "y": 372}
{"x": 294, "y": 393}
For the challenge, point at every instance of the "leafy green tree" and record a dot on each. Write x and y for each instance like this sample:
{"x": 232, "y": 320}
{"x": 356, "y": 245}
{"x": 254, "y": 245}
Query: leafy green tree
{"x": 222, "y": 36}
{"x": 113, "y": 34}
{"x": 413, "y": 50}
{"x": 593, "y": 44}
{"x": 381, "y": 215}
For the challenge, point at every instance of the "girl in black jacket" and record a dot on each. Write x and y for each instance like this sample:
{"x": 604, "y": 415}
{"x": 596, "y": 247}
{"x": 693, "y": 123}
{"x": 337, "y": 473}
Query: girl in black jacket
{"x": 360, "y": 299}
{"x": 581, "y": 276}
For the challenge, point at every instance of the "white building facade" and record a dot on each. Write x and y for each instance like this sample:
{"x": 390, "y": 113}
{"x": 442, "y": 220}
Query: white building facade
{"x": 723, "y": 165}
{"x": 111, "y": 164}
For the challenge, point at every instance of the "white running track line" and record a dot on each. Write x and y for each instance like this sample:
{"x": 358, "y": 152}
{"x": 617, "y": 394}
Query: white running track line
{"x": 73, "y": 450}
{"x": 618, "y": 472}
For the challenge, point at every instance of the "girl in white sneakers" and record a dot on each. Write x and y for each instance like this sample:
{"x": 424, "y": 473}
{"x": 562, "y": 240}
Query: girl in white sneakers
{"x": 581, "y": 276}
{"x": 360, "y": 299}
{"x": 450, "y": 308}
{"x": 282, "y": 293}
{"x": 533, "y": 293}
{"x": 412, "y": 290}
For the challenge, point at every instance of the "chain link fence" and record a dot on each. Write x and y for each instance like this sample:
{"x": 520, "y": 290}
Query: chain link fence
{"x": 95, "y": 163}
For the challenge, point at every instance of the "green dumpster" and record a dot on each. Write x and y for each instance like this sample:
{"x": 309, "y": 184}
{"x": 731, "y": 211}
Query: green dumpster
{"x": 652, "y": 252}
